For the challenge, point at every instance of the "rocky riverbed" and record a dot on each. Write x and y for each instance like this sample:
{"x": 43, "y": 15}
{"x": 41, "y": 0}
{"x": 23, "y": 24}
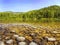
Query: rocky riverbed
{"x": 25, "y": 34}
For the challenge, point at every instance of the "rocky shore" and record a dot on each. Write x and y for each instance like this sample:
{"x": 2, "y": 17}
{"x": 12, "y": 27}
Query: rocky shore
{"x": 25, "y": 34}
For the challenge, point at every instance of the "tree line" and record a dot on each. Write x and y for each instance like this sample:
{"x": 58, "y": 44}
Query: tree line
{"x": 47, "y": 14}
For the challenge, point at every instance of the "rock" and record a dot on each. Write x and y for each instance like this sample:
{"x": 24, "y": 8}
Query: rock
{"x": 9, "y": 41}
{"x": 22, "y": 43}
{"x": 6, "y": 38}
{"x": 50, "y": 39}
{"x": 20, "y": 38}
{"x": 2, "y": 43}
{"x": 15, "y": 36}
{"x": 33, "y": 43}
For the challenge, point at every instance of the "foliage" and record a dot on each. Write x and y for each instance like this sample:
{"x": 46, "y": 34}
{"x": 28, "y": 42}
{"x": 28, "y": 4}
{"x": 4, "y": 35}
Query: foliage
{"x": 41, "y": 15}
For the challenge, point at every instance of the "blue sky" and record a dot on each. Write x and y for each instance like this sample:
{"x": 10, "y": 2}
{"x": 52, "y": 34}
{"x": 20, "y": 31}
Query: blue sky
{"x": 25, "y": 5}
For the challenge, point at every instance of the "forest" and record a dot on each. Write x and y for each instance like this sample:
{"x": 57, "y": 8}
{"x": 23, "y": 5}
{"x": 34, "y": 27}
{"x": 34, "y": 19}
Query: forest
{"x": 47, "y": 14}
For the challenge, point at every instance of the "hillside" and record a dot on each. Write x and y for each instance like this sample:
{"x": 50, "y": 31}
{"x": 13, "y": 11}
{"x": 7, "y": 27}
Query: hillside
{"x": 47, "y": 14}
